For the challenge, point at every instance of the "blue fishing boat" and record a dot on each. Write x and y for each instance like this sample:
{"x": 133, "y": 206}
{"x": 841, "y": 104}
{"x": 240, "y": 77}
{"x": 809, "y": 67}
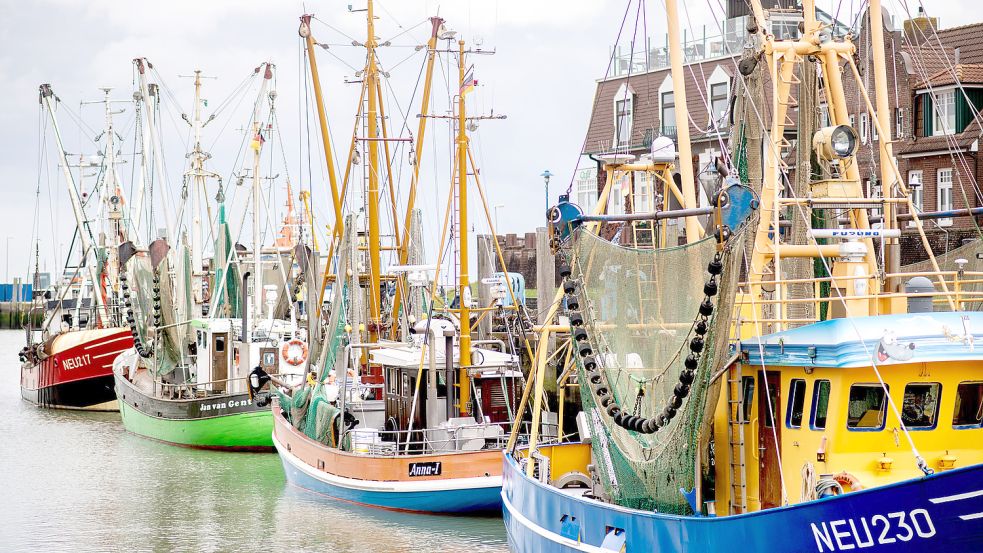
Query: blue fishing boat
{"x": 779, "y": 382}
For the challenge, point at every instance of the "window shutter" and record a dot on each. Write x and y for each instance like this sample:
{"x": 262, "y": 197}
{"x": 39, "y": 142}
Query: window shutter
{"x": 963, "y": 116}
{"x": 926, "y": 115}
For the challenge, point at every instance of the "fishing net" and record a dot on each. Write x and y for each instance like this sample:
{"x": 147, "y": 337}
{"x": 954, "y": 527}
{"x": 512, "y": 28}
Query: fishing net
{"x": 639, "y": 308}
{"x": 225, "y": 283}
{"x": 309, "y": 409}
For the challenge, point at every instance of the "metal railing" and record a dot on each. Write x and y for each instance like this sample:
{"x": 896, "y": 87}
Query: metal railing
{"x": 432, "y": 441}
{"x": 962, "y": 288}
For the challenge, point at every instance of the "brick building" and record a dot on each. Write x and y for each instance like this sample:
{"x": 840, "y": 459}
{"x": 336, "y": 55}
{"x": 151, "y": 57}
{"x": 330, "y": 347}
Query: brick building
{"x": 935, "y": 89}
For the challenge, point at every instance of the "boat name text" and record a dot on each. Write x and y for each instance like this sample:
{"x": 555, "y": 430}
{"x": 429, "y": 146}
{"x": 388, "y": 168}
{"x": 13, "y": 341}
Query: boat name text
{"x": 863, "y": 532}
{"x": 76, "y": 362}
{"x": 431, "y": 468}
{"x": 232, "y": 403}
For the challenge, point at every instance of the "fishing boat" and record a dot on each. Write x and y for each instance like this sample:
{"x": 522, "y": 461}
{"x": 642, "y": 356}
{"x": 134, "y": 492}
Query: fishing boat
{"x": 407, "y": 411}
{"x": 739, "y": 406}
{"x": 67, "y": 362}
{"x": 184, "y": 381}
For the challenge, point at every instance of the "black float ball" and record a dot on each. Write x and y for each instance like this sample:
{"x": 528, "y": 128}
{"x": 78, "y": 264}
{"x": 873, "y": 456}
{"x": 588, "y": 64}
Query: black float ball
{"x": 676, "y": 402}
{"x": 681, "y": 390}
{"x": 691, "y": 362}
{"x": 696, "y": 344}
{"x": 686, "y": 377}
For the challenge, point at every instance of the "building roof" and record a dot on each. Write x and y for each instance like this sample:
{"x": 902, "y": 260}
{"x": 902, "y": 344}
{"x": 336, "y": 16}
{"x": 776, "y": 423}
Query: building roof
{"x": 941, "y": 143}
{"x": 963, "y": 73}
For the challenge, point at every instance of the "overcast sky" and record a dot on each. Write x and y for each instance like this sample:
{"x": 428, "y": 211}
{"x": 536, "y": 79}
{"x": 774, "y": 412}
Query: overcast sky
{"x": 549, "y": 54}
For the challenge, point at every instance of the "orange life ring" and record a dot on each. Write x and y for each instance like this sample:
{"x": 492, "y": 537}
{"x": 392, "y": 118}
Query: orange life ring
{"x": 295, "y": 359}
{"x": 845, "y": 478}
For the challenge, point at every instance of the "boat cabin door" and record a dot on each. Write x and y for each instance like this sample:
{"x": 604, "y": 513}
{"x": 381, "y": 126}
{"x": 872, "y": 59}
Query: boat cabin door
{"x": 220, "y": 361}
{"x": 769, "y": 439}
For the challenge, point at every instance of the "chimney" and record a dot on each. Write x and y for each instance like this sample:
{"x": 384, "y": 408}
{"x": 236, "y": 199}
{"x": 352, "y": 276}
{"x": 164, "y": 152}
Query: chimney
{"x": 920, "y": 28}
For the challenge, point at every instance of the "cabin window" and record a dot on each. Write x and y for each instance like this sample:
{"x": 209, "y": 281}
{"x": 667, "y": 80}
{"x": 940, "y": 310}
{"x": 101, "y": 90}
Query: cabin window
{"x": 820, "y": 405}
{"x": 868, "y": 407}
{"x": 796, "y": 401}
{"x": 969, "y": 405}
{"x": 406, "y": 385}
{"x": 920, "y": 408}
{"x": 393, "y": 382}
{"x": 219, "y": 345}
{"x": 747, "y": 397}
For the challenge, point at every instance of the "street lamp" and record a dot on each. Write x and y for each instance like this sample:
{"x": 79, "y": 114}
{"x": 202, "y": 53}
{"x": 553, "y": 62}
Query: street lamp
{"x": 546, "y": 177}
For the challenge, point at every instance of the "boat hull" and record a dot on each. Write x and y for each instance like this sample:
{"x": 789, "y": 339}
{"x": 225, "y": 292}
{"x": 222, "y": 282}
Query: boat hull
{"x": 77, "y": 370}
{"x": 233, "y": 421}
{"x": 942, "y": 512}
{"x": 469, "y": 482}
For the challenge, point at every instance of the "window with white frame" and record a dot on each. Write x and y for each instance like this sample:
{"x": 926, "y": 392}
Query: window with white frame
{"x": 944, "y": 193}
{"x": 823, "y": 115}
{"x": 853, "y": 121}
{"x": 874, "y": 192}
{"x": 623, "y": 121}
{"x": 624, "y": 107}
{"x": 616, "y": 198}
{"x": 916, "y": 191}
{"x": 719, "y": 96}
{"x": 898, "y": 122}
{"x": 642, "y": 199}
{"x": 873, "y": 128}
{"x": 864, "y": 123}
{"x": 668, "y": 114}
{"x": 586, "y": 189}
{"x": 944, "y": 118}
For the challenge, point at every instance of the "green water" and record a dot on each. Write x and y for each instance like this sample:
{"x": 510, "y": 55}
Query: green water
{"x": 78, "y": 482}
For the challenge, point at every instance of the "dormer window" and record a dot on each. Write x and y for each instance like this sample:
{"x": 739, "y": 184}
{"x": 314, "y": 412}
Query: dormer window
{"x": 623, "y": 121}
{"x": 944, "y": 117}
{"x": 718, "y": 98}
{"x": 668, "y": 115}
{"x": 624, "y": 108}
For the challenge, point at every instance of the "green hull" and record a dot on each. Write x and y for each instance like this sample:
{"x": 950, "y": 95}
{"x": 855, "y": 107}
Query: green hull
{"x": 250, "y": 431}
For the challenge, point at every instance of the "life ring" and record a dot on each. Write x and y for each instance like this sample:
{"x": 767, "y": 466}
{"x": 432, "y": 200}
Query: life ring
{"x": 294, "y": 352}
{"x": 845, "y": 478}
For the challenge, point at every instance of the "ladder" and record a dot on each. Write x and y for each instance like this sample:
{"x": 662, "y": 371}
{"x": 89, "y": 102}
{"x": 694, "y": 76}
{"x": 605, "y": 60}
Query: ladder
{"x": 737, "y": 467}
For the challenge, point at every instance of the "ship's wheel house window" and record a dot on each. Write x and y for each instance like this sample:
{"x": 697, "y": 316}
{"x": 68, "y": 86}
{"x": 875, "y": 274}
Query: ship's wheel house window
{"x": 867, "y": 408}
{"x": 920, "y": 408}
{"x": 820, "y": 405}
{"x": 969, "y": 405}
{"x": 796, "y": 401}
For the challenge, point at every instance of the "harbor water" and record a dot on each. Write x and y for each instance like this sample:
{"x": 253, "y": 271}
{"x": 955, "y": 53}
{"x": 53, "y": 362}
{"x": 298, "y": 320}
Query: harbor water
{"x": 75, "y": 481}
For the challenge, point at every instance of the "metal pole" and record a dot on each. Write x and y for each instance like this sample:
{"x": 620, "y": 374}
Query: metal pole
{"x": 892, "y": 252}
{"x": 375, "y": 256}
{"x": 693, "y": 229}
{"x": 464, "y": 346}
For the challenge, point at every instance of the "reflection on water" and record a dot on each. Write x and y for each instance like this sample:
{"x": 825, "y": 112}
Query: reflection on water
{"x": 79, "y": 482}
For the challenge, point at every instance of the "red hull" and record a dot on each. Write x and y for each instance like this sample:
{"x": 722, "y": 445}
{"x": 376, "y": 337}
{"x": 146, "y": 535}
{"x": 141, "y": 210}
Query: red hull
{"x": 77, "y": 372}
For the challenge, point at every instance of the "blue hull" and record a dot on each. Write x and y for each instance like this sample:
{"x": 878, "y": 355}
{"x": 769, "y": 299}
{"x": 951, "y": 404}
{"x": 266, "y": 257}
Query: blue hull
{"x": 940, "y": 513}
{"x": 454, "y": 501}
